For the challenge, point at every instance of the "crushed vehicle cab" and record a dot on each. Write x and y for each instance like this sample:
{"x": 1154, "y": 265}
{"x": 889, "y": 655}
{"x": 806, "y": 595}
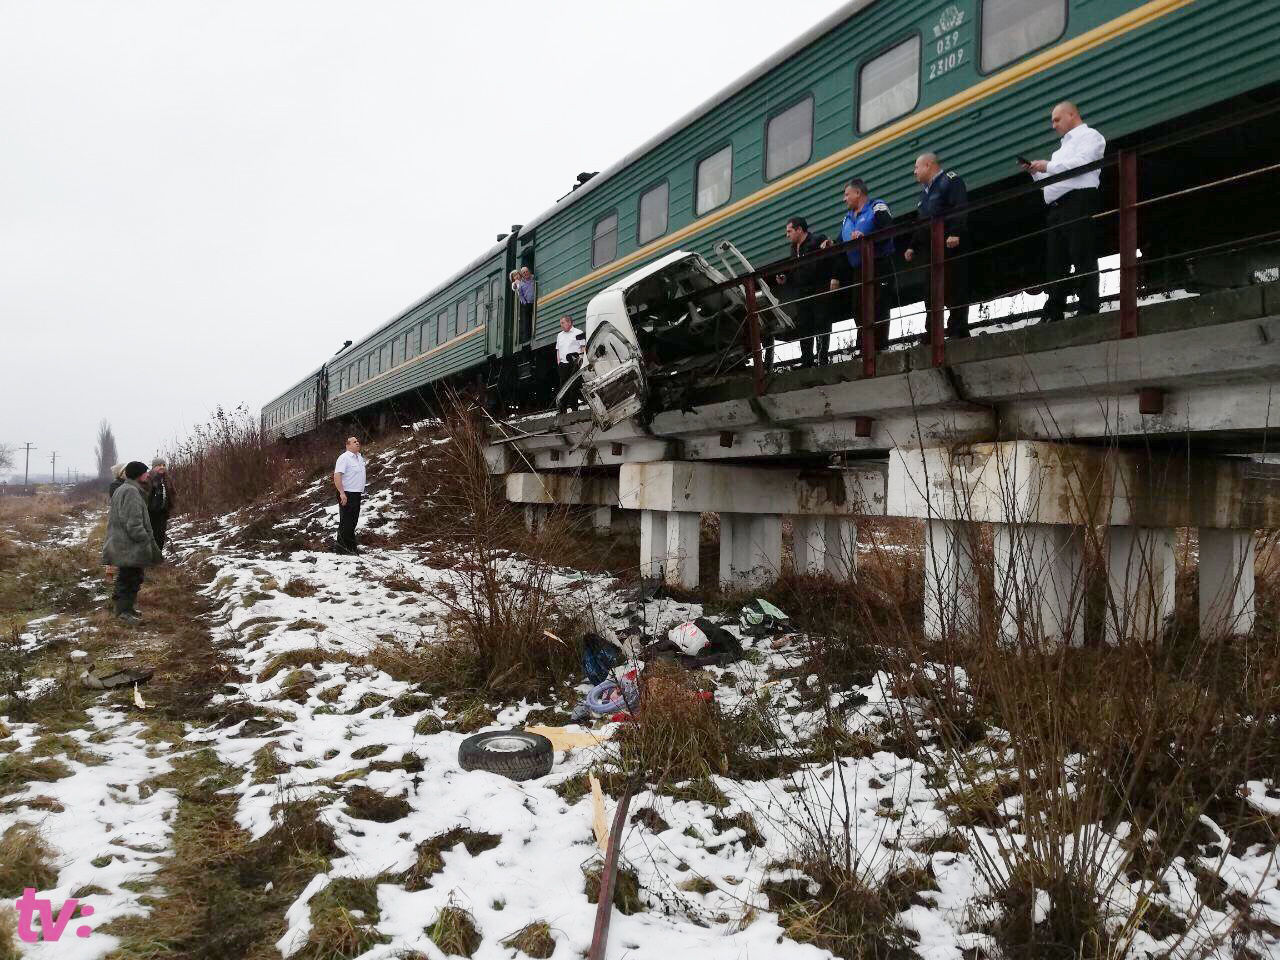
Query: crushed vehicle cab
{"x": 644, "y": 336}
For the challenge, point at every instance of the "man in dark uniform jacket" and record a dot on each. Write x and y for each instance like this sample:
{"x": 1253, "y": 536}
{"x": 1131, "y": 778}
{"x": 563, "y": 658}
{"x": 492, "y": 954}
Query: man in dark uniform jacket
{"x": 943, "y": 190}
{"x": 812, "y": 313}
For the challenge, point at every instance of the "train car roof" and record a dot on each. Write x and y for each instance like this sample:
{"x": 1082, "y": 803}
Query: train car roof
{"x": 454, "y": 278}
{"x": 305, "y": 381}
{"x": 824, "y": 26}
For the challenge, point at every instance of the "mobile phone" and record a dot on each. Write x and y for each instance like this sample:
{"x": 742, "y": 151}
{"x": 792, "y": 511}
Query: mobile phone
{"x": 1022, "y": 160}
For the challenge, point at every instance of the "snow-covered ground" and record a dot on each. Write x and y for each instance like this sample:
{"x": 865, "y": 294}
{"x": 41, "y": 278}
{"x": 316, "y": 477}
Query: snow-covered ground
{"x": 345, "y": 721}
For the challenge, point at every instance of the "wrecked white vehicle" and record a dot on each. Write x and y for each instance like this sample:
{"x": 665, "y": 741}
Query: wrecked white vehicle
{"x": 645, "y": 337}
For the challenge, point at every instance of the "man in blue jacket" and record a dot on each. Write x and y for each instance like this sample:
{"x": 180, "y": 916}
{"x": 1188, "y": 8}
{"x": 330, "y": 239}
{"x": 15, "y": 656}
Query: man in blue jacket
{"x": 864, "y": 217}
{"x": 943, "y": 191}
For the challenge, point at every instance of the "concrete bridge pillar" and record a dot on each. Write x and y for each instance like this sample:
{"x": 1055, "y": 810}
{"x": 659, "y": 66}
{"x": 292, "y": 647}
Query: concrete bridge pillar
{"x": 535, "y": 515}
{"x": 653, "y": 543}
{"x": 950, "y": 580}
{"x": 682, "y": 549}
{"x": 750, "y": 550}
{"x": 1039, "y": 590}
{"x": 1140, "y": 579}
{"x": 1226, "y": 582}
{"x": 825, "y": 545}
{"x": 602, "y": 519}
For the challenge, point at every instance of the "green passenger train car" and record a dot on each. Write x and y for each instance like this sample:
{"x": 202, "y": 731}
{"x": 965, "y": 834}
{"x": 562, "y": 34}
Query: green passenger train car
{"x": 861, "y": 94}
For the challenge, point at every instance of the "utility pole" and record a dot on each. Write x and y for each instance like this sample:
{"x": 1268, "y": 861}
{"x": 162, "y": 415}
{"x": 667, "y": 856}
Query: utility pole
{"x": 26, "y": 470}
{"x": 53, "y": 470}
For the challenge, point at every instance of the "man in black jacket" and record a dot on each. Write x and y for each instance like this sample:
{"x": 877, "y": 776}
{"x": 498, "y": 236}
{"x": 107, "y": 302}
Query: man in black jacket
{"x": 943, "y": 191}
{"x": 160, "y": 500}
{"x": 804, "y": 285}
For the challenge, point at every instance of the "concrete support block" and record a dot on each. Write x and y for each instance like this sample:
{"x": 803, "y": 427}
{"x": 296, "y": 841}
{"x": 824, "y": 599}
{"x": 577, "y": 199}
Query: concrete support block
{"x": 535, "y": 515}
{"x": 682, "y": 549}
{"x": 1226, "y": 582}
{"x": 809, "y": 544}
{"x": 949, "y": 579}
{"x": 1140, "y": 574}
{"x": 825, "y": 545}
{"x": 653, "y": 543}
{"x": 602, "y": 519}
{"x": 1038, "y": 583}
{"x": 841, "y": 537}
{"x": 750, "y": 550}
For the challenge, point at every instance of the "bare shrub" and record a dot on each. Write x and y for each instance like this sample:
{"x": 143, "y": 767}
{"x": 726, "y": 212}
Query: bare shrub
{"x": 229, "y": 461}
{"x": 506, "y": 622}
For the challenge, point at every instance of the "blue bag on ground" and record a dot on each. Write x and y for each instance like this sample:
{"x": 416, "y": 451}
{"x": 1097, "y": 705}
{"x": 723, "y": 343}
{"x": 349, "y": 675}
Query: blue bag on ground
{"x": 599, "y": 656}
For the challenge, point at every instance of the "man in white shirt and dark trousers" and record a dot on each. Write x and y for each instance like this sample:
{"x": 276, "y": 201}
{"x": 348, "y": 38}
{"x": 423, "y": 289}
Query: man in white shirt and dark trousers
{"x": 348, "y": 478}
{"x": 1072, "y": 204}
{"x": 570, "y": 346}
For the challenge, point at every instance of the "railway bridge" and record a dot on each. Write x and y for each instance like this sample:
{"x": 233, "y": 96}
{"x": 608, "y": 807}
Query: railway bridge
{"x": 1126, "y": 425}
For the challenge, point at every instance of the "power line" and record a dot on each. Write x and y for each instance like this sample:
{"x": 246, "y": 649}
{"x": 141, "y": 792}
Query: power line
{"x": 53, "y": 469}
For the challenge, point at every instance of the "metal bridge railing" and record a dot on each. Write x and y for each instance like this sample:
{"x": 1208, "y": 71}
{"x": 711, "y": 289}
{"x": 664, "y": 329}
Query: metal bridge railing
{"x": 1126, "y": 210}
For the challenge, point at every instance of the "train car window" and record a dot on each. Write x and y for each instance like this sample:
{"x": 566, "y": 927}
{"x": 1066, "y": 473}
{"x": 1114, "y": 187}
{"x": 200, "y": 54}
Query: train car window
{"x": 652, "y": 222}
{"x": 889, "y": 85}
{"x": 482, "y": 304}
{"x": 460, "y": 316}
{"x": 397, "y": 352}
{"x": 604, "y": 245}
{"x": 788, "y": 138}
{"x": 384, "y": 359}
{"x": 442, "y": 327}
{"x": 715, "y": 180}
{"x": 1013, "y": 28}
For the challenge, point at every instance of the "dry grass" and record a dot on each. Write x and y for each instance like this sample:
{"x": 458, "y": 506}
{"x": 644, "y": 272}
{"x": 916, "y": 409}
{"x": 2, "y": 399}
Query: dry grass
{"x": 430, "y": 853}
{"x": 365, "y": 803}
{"x": 626, "y": 888}
{"x": 26, "y": 860}
{"x": 344, "y": 918}
{"x": 454, "y": 931}
{"x": 533, "y": 940}
{"x": 677, "y": 734}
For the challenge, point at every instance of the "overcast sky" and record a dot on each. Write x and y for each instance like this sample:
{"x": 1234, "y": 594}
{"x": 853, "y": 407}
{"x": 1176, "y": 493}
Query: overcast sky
{"x": 199, "y": 201}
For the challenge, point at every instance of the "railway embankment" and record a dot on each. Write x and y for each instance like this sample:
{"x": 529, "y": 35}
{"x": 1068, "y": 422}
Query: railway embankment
{"x": 288, "y": 781}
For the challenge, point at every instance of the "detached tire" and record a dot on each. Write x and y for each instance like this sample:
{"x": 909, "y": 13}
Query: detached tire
{"x": 511, "y": 753}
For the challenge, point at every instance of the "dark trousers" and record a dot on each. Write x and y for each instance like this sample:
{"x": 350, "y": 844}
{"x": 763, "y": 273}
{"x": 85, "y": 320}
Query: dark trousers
{"x": 1072, "y": 241}
{"x": 160, "y": 528}
{"x": 128, "y": 583}
{"x": 957, "y": 293}
{"x": 567, "y": 370}
{"x": 813, "y": 323}
{"x": 526, "y": 322}
{"x": 348, "y": 517}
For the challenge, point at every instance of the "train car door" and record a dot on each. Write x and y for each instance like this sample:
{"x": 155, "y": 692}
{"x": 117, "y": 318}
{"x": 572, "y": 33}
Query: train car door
{"x": 496, "y": 314}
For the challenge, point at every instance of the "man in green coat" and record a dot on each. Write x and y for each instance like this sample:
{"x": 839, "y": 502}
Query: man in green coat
{"x": 130, "y": 545}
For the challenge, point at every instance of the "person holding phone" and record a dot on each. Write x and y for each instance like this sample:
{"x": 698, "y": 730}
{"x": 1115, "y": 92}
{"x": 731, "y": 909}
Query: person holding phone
{"x": 1070, "y": 205}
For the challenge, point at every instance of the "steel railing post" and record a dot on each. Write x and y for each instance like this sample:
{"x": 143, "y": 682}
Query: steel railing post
{"x": 937, "y": 287}
{"x": 866, "y": 325}
{"x": 753, "y": 334}
{"x": 1128, "y": 229}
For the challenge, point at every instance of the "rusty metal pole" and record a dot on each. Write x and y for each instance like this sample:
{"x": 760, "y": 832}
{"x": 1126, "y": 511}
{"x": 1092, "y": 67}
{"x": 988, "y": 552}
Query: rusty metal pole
{"x": 937, "y": 287}
{"x": 608, "y": 878}
{"x": 1128, "y": 230}
{"x": 753, "y": 332}
{"x": 866, "y": 325}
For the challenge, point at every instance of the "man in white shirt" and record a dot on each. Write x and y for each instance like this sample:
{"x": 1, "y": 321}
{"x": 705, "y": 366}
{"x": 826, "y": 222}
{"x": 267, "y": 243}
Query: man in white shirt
{"x": 348, "y": 479}
{"x": 1071, "y": 203}
{"x": 571, "y": 344}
